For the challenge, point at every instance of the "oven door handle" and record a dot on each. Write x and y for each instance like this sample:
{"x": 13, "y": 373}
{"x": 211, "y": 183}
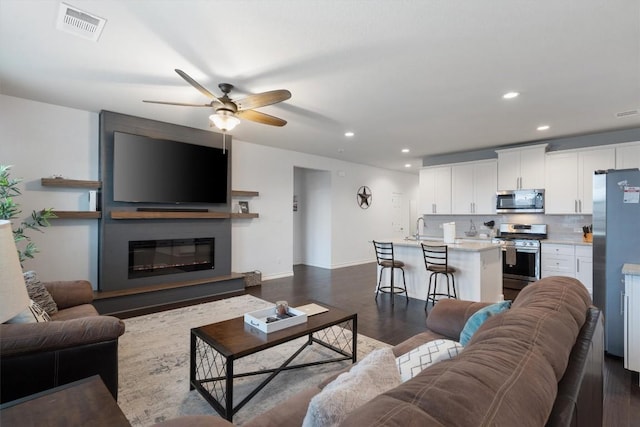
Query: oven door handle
{"x": 526, "y": 250}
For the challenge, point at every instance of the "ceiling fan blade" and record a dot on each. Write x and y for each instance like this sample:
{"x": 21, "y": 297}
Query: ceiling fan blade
{"x": 262, "y": 99}
{"x": 197, "y": 85}
{"x": 177, "y": 103}
{"x": 256, "y": 116}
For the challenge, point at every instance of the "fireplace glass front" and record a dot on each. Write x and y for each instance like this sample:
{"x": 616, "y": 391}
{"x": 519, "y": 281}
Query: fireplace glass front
{"x": 171, "y": 256}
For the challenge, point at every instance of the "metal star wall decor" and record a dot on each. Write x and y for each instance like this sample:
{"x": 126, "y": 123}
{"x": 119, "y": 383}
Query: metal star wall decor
{"x": 364, "y": 197}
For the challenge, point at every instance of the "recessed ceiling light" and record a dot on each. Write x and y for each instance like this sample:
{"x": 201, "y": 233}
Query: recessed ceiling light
{"x": 405, "y": 150}
{"x": 349, "y": 134}
{"x": 510, "y": 95}
{"x": 408, "y": 165}
{"x": 543, "y": 127}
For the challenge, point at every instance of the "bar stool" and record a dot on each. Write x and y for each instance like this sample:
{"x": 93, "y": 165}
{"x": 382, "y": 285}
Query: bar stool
{"x": 436, "y": 261}
{"x": 385, "y": 258}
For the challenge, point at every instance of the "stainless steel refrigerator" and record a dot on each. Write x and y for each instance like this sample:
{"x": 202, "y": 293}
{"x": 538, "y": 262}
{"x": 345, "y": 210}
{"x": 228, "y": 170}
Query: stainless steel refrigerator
{"x": 616, "y": 241}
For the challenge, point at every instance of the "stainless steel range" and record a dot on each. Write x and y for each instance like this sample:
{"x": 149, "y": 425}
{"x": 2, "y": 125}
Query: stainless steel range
{"x": 520, "y": 253}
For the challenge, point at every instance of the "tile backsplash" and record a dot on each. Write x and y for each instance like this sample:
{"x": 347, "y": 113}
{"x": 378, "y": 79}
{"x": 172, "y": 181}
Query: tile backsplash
{"x": 559, "y": 227}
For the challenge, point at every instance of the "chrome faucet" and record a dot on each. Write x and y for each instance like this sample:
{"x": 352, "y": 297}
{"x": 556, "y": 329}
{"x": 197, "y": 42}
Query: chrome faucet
{"x": 418, "y": 227}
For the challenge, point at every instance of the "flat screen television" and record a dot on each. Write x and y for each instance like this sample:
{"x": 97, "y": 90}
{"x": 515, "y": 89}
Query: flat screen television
{"x": 149, "y": 170}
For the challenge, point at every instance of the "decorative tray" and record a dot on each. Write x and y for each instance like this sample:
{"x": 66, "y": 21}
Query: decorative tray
{"x": 267, "y": 320}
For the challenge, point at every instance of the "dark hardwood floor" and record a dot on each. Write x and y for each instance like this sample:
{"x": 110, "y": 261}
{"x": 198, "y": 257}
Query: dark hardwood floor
{"x": 353, "y": 288}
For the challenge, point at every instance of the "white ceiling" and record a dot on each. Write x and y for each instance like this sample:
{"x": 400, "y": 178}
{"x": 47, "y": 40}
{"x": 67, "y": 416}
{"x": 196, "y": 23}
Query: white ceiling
{"x": 426, "y": 75}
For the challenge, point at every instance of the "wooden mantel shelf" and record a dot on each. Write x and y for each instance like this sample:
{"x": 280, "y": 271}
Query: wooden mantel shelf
{"x": 168, "y": 215}
{"x": 243, "y": 193}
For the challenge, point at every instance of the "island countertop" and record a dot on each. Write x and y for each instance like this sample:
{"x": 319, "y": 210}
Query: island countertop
{"x": 468, "y": 246}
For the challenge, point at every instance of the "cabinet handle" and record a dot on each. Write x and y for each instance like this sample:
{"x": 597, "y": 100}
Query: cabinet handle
{"x": 580, "y": 205}
{"x": 575, "y": 206}
{"x": 474, "y": 207}
{"x": 622, "y": 303}
{"x": 577, "y": 265}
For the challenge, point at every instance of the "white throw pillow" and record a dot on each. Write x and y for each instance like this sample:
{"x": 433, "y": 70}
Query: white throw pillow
{"x": 373, "y": 375}
{"x": 412, "y": 363}
{"x": 32, "y": 314}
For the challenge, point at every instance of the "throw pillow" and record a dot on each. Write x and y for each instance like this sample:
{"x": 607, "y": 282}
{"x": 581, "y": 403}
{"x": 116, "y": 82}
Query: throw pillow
{"x": 479, "y": 317}
{"x": 373, "y": 375}
{"x": 413, "y": 362}
{"x": 38, "y": 293}
{"x": 32, "y": 314}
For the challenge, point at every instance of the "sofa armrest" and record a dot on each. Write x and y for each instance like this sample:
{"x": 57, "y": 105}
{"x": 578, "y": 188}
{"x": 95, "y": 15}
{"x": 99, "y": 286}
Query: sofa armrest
{"x": 449, "y": 316}
{"x": 70, "y": 293}
{"x": 25, "y": 338}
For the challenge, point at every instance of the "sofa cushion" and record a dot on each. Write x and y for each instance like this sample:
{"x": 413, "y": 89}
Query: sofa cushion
{"x": 479, "y": 317}
{"x": 39, "y": 293}
{"x": 413, "y": 362}
{"x": 374, "y": 374}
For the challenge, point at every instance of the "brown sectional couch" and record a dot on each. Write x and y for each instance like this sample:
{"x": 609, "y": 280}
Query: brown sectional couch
{"x": 539, "y": 363}
{"x": 76, "y": 344}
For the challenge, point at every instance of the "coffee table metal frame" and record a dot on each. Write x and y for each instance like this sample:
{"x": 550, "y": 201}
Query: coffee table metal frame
{"x": 215, "y": 348}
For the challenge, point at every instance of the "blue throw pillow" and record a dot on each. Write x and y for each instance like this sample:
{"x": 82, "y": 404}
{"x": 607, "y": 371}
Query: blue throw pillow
{"x": 479, "y": 317}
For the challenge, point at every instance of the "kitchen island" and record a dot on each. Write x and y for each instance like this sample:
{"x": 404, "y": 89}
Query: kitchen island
{"x": 478, "y": 265}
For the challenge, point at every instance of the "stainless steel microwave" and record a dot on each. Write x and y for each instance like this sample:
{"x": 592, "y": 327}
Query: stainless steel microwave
{"x": 520, "y": 201}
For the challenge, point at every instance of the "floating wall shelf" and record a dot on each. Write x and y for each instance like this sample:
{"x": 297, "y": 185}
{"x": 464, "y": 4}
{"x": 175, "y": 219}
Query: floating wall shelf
{"x": 69, "y": 183}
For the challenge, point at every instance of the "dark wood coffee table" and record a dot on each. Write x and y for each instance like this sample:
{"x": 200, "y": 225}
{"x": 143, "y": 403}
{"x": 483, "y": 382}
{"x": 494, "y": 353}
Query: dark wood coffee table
{"x": 215, "y": 348}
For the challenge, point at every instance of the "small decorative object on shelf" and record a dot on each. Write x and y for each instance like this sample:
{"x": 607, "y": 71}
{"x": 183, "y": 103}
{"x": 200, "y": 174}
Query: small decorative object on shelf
{"x": 243, "y": 207}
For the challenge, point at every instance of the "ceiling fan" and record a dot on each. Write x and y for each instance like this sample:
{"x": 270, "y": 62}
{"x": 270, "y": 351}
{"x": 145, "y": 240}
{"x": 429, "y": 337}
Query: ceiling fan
{"x": 228, "y": 112}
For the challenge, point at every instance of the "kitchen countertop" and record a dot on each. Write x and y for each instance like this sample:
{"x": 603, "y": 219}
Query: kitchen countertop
{"x": 632, "y": 269}
{"x": 568, "y": 242}
{"x": 479, "y": 246}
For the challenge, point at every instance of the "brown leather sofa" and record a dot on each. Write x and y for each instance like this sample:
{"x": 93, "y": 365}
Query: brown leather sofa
{"x": 539, "y": 363}
{"x": 77, "y": 343}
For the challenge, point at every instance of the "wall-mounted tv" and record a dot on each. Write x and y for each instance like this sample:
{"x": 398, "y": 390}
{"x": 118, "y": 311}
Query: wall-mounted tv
{"x": 149, "y": 170}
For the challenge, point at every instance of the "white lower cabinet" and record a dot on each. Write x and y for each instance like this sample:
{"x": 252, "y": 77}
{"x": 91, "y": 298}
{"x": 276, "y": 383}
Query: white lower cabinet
{"x": 584, "y": 266}
{"x": 632, "y": 320}
{"x": 565, "y": 259}
{"x": 557, "y": 260}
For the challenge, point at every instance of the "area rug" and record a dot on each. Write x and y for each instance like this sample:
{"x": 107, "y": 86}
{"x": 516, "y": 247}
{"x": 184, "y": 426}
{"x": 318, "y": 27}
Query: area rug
{"x": 154, "y": 364}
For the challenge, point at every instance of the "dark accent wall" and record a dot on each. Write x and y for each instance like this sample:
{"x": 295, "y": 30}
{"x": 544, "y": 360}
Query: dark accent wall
{"x": 556, "y": 144}
{"x": 114, "y": 235}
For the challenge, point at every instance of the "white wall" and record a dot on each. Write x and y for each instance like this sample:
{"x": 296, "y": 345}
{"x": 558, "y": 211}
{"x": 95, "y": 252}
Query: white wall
{"x": 266, "y": 243}
{"x": 43, "y": 139}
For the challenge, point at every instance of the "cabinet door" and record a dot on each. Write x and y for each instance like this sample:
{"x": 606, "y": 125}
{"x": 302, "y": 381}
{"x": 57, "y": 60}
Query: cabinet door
{"x": 485, "y": 186}
{"x": 584, "y": 266}
{"x": 508, "y": 170}
{"x": 426, "y": 191}
{"x": 628, "y": 157}
{"x": 442, "y": 190}
{"x": 588, "y": 162}
{"x": 435, "y": 190}
{"x": 561, "y": 183}
{"x": 532, "y": 168}
{"x": 462, "y": 190}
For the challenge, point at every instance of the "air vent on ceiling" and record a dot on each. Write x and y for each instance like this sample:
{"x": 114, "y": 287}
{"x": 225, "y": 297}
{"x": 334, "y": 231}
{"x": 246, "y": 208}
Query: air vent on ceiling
{"x": 627, "y": 113}
{"x": 79, "y": 23}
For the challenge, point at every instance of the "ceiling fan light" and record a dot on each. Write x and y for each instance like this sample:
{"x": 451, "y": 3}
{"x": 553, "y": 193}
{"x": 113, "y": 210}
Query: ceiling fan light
{"x": 224, "y": 120}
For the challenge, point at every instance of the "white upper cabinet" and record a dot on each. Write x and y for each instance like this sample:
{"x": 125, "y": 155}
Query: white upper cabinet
{"x": 569, "y": 179}
{"x": 628, "y": 156}
{"x": 473, "y": 187}
{"x": 435, "y": 190}
{"x": 521, "y": 168}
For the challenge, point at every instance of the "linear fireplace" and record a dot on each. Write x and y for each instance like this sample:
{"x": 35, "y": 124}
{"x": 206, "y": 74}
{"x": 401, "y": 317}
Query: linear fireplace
{"x": 170, "y": 256}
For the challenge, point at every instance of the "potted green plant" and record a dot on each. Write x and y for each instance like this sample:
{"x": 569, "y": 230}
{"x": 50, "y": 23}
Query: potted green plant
{"x": 10, "y": 210}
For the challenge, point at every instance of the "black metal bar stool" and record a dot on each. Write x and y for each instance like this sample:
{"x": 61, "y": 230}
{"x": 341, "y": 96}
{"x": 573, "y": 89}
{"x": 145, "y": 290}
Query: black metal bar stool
{"x": 436, "y": 261}
{"x": 385, "y": 258}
